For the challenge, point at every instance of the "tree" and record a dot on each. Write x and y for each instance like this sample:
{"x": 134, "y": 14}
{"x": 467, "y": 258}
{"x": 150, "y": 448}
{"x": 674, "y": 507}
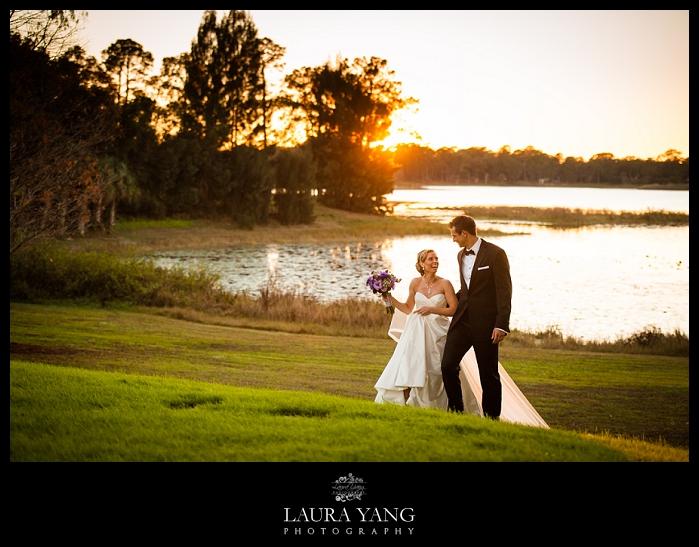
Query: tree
{"x": 602, "y": 168}
{"x": 271, "y": 58}
{"x": 119, "y": 186}
{"x": 415, "y": 162}
{"x": 244, "y": 179}
{"x": 225, "y": 90}
{"x": 58, "y": 127}
{"x": 351, "y": 101}
{"x": 49, "y": 31}
{"x": 294, "y": 182}
{"x": 128, "y": 64}
{"x": 170, "y": 183}
{"x": 167, "y": 90}
{"x": 672, "y": 168}
{"x": 572, "y": 170}
{"x": 346, "y": 108}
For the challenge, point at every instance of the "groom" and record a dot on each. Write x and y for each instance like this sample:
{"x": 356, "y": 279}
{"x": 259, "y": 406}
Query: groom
{"x": 482, "y": 317}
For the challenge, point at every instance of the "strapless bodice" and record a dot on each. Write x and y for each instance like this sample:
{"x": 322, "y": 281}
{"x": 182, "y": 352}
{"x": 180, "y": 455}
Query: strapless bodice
{"x": 438, "y": 300}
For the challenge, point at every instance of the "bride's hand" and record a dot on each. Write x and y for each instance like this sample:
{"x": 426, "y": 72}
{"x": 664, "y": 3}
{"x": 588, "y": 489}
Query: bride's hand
{"x": 424, "y": 310}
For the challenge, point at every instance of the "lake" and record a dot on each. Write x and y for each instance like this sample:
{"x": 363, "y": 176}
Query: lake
{"x": 612, "y": 199}
{"x": 593, "y": 283}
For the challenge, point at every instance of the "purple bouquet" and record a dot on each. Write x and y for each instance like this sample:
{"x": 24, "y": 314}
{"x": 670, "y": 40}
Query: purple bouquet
{"x": 382, "y": 283}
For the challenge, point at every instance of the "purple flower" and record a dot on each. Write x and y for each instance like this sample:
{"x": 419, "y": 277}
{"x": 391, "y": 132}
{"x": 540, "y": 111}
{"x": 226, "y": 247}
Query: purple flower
{"x": 382, "y": 283}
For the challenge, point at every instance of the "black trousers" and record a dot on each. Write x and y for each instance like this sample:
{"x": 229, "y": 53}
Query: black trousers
{"x": 459, "y": 341}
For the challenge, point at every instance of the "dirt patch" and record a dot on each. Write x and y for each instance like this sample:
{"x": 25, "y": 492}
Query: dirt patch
{"x": 17, "y": 348}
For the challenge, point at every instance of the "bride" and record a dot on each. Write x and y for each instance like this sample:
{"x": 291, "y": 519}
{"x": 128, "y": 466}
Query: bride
{"x": 413, "y": 375}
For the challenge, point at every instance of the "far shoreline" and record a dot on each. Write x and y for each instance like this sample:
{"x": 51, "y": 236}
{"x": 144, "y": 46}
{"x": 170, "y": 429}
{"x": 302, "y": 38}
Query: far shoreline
{"x": 403, "y": 185}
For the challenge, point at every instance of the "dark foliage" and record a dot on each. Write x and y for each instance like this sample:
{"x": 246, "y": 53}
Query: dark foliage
{"x": 59, "y": 127}
{"x": 420, "y": 164}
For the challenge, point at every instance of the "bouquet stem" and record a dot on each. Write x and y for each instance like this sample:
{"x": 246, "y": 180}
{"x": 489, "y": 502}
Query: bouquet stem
{"x": 389, "y": 305}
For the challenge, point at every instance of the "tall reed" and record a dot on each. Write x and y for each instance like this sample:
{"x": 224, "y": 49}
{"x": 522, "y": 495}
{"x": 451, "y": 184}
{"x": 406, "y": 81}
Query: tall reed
{"x": 562, "y": 217}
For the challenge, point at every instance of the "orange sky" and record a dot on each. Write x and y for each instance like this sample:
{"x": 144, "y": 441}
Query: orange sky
{"x": 571, "y": 82}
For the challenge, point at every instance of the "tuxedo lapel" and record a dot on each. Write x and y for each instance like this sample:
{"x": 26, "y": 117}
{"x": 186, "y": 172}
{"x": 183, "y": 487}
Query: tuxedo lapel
{"x": 480, "y": 258}
{"x": 464, "y": 286}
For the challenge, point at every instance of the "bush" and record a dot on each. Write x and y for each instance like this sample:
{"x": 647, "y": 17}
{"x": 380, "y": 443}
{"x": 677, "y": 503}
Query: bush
{"x": 47, "y": 272}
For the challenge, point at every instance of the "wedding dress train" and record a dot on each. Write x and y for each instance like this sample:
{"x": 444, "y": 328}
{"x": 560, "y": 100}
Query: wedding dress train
{"x": 416, "y": 363}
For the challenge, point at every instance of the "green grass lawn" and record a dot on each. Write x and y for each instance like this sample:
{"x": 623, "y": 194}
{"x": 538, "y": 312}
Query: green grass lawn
{"x": 111, "y": 384}
{"x": 69, "y": 414}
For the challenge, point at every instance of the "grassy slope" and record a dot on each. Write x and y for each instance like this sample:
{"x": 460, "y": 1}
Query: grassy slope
{"x": 620, "y": 399}
{"x": 76, "y": 415}
{"x": 572, "y": 391}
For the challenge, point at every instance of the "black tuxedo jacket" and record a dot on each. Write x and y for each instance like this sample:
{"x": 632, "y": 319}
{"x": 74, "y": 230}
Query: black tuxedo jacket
{"x": 487, "y": 303}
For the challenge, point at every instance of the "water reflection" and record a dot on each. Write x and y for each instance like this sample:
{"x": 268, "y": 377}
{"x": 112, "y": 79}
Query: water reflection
{"x": 612, "y": 199}
{"x": 593, "y": 283}
{"x": 329, "y": 272}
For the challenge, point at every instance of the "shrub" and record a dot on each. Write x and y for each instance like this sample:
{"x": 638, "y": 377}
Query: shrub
{"x": 48, "y": 272}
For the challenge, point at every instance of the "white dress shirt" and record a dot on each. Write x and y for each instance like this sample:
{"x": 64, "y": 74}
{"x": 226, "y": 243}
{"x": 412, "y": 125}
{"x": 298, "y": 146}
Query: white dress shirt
{"x": 467, "y": 262}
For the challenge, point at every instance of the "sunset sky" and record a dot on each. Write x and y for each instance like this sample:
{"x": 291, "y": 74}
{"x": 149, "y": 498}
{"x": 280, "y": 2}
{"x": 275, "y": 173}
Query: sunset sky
{"x": 571, "y": 82}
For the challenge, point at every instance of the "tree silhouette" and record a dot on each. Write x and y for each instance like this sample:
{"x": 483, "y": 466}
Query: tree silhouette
{"x": 50, "y": 31}
{"x": 271, "y": 59}
{"x": 225, "y": 88}
{"x": 346, "y": 108}
{"x": 128, "y": 64}
{"x": 58, "y": 128}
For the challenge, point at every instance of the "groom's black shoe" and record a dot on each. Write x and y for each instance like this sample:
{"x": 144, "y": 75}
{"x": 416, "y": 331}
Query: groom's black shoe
{"x": 494, "y": 418}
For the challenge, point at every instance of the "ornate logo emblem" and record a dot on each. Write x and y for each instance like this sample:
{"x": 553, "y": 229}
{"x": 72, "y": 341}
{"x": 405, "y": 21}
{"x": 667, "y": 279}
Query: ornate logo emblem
{"x": 349, "y": 488}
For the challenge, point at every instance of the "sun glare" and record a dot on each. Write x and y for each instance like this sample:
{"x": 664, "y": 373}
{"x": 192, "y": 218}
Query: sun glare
{"x": 402, "y": 132}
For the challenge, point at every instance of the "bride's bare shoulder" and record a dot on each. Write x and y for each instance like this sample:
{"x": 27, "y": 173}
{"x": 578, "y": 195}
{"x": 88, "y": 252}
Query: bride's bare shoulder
{"x": 415, "y": 281}
{"x": 445, "y": 282}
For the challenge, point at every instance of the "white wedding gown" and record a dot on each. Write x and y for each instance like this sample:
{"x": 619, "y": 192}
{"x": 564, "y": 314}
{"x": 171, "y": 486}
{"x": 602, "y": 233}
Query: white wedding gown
{"x": 417, "y": 360}
{"x": 416, "y": 364}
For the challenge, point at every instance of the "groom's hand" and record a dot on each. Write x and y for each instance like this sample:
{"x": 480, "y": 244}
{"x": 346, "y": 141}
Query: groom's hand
{"x": 498, "y": 336}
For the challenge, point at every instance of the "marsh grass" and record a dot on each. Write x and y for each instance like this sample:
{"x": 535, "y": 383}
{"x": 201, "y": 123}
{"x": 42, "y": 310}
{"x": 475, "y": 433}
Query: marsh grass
{"x": 649, "y": 340}
{"x": 562, "y": 217}
{"x": 331, "y": 225}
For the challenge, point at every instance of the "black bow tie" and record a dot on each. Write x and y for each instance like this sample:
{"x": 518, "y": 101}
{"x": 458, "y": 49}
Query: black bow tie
{"x": 469, "y": 252}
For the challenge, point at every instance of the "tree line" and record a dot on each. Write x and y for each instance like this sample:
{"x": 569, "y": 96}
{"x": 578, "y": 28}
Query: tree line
{"x": 208, "y": 137}
{"x": 421, "y": 164}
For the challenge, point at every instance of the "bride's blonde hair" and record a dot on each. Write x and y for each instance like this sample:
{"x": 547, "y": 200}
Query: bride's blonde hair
{"x": 421, "y": 257}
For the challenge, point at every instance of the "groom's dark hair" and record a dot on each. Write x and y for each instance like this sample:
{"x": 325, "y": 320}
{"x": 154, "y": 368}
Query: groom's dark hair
{"x": 463, "y": 222}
